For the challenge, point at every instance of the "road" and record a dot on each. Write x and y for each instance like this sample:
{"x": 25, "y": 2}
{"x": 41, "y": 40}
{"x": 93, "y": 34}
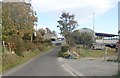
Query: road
{"x": 95, "y": 67}
{"x": 43, "y": 65}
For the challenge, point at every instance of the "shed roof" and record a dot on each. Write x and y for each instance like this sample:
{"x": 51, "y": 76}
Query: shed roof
{"x": 105, "y": 35}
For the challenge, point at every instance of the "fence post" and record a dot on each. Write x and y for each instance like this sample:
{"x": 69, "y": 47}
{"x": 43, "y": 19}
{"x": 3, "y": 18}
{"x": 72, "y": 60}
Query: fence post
{"x": 4, "y": 46}
{"x": 105, "y": 54}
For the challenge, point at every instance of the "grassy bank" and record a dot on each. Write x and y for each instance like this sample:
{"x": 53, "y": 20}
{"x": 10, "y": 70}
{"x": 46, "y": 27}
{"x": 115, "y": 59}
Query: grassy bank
{"x": 0, "y": 59}
{"x": 12, "y": 60}
{"x": 95, "y": 53}
{"x": 87, "y": 52}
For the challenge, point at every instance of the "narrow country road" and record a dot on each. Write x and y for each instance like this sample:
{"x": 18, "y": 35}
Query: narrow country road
{"x": 44, "y": 65}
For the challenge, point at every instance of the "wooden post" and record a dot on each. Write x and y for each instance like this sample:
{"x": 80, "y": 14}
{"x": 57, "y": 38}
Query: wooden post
{"x": 4, "y": 46}
{"x": 105, "y": 54}
{"x": 9, "y": 46}
{"x": 31, "y": 38}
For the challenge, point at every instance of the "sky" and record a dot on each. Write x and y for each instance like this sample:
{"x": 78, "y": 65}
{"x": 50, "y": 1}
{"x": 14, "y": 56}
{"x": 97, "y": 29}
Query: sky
{"x": 106, "y": 13}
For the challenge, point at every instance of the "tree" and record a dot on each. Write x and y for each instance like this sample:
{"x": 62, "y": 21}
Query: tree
{"x": 17, "y": 18}
{"x": 84, "y": 38}
{"x": 67, "y": 24}
{"x": 76, "y": 36}
{"x": 42, "y": 31}
{"x": 0, "y": 20}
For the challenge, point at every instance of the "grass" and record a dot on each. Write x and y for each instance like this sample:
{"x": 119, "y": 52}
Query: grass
{"x": 0, "y": 59}
{"x": 0, "y": 50}
{"x": 14, "y": 60}
{"x": 94, "y": 53}
{"x": 87, "y": 52}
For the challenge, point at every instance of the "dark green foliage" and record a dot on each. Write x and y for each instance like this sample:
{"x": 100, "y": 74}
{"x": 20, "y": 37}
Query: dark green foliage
{"x": 63, "y": 52}
{"x": 64, "y": 48}
{"x": 84, "y": 38}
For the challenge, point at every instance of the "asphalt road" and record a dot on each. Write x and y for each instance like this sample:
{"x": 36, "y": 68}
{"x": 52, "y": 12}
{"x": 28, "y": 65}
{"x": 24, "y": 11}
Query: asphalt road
{"x": 96, "y": 67}
{"x": 43, "y": 65}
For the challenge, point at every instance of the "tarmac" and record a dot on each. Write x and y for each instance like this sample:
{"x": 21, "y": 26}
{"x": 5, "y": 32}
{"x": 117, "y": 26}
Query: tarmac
{"x": 90, "y": 66}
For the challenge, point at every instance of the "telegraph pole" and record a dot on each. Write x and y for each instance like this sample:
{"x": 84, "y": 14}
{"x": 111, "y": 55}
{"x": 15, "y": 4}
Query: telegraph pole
{"x": 93, "y": 27}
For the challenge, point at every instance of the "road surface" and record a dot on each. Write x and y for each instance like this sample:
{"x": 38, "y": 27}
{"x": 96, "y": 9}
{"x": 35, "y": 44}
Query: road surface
{"x": 43, "y": 65}
{"x": 95, "y": 67}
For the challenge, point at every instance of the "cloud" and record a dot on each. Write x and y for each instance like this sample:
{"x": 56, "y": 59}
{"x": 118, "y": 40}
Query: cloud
{"x": 54, "y": 5}
{"x": 83, "y": 9}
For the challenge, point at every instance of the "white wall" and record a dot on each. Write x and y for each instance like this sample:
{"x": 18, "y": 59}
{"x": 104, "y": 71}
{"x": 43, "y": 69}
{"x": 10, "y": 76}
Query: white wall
{"x": 106, "y": 41}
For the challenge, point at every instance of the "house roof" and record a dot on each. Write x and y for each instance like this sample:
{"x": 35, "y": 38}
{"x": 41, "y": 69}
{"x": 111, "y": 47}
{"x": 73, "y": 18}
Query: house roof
{"x": 49, "y": 36}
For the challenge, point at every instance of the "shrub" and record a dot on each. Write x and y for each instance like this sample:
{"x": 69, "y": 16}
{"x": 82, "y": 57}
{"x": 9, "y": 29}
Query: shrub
{"x": 18, "y": 43}
{"x": 30, "y": 46}
{"x": 63, "y": 52}
{"x": 64, "y": 48}
{"x": 40, "y": 46}
{"x": 47, "y": 42}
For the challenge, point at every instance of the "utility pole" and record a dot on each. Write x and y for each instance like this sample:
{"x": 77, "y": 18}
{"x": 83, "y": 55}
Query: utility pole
{"x": 119, "y": 31}
{"x": 93, "y": 28}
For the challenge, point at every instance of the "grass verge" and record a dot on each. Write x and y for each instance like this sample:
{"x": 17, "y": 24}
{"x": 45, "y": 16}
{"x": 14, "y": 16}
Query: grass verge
{"x": 94, "y": 53}
{"x": 87, "y": 52}
{"x": 0, "y": 59}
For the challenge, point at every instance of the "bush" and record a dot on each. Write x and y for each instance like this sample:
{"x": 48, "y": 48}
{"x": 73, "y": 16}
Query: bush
{"x": 63, "y": 52}
{"x": 30, "y": 46}
{"x": 83, "y": 38}
{"x": 64, "y": 48}
{"x": 40, "y": 46}
{"x": 18, "y": 43}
